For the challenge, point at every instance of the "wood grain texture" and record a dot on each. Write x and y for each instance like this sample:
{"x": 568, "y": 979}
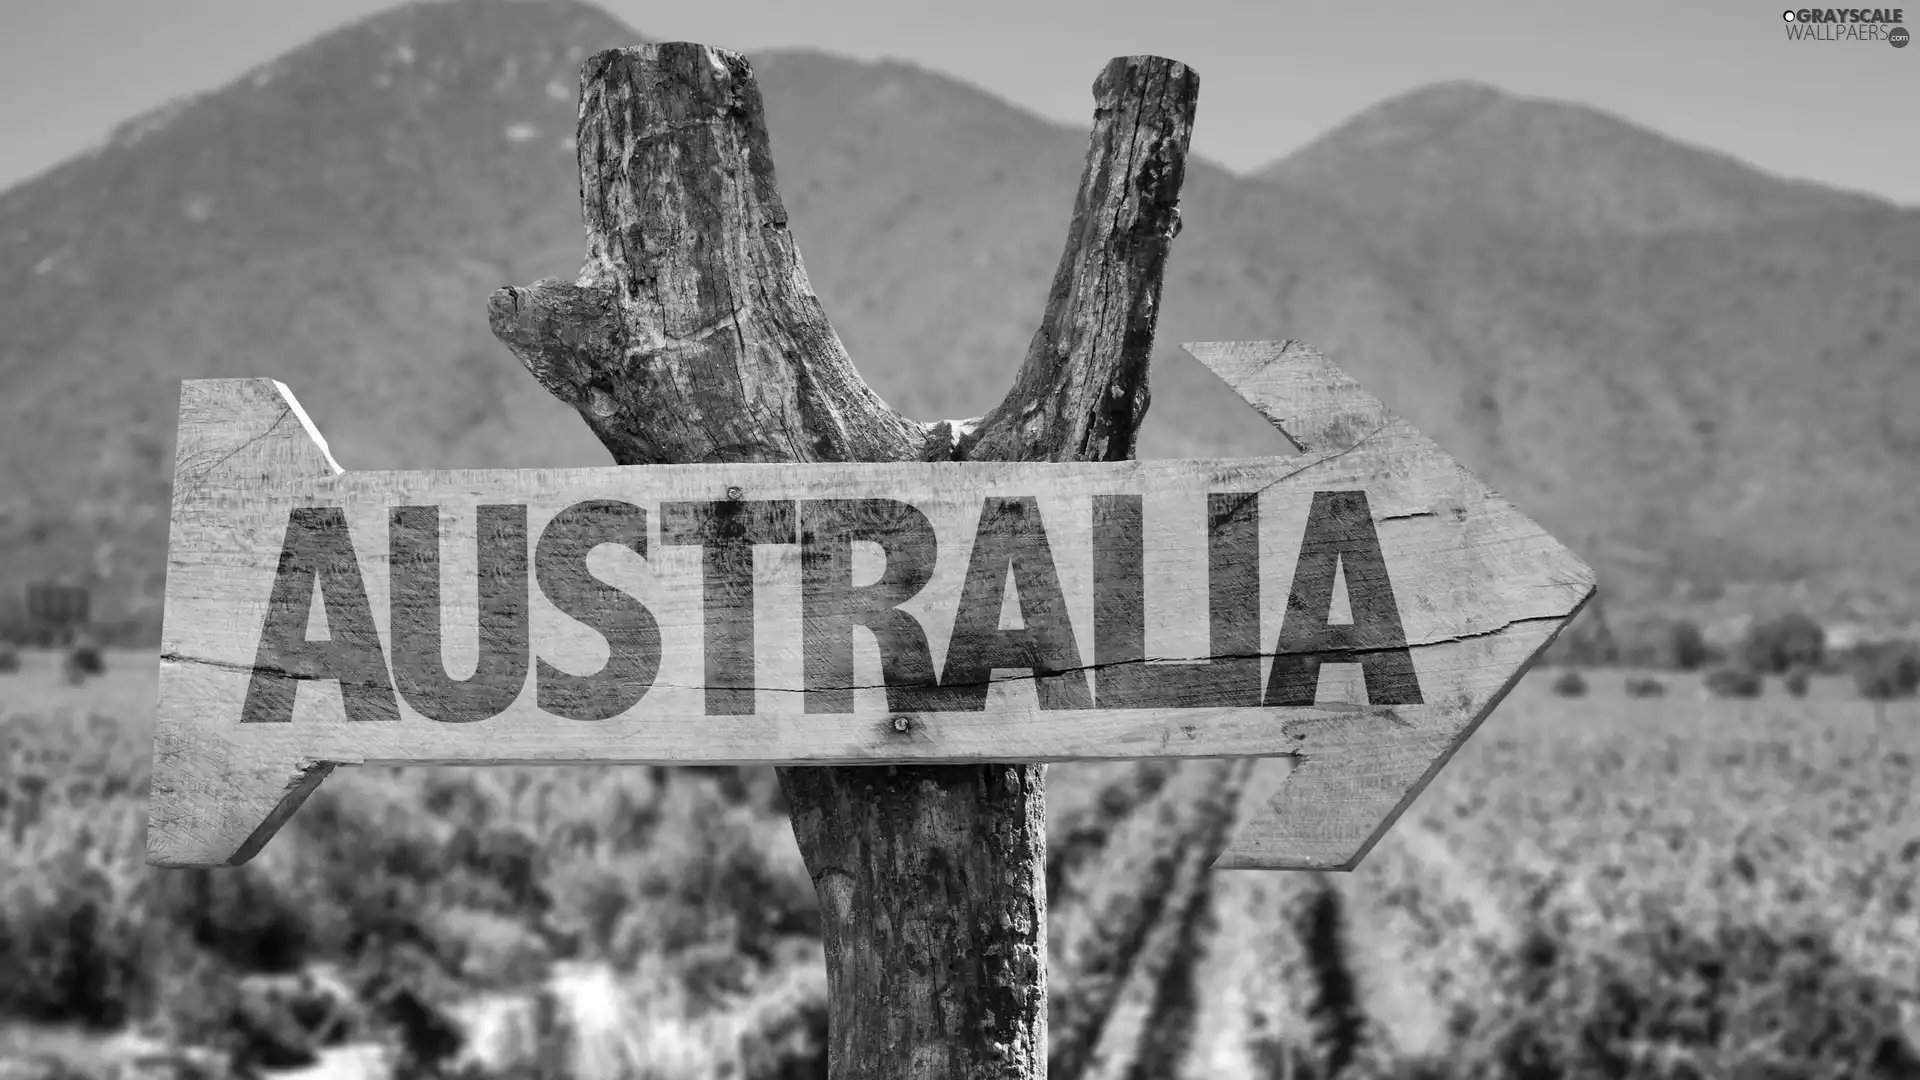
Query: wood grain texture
{"x": 691, "y": 335}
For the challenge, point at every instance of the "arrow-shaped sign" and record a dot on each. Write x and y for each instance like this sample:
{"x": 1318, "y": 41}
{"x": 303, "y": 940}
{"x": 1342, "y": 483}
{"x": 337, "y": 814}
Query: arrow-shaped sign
{"x": 834, "y": 613}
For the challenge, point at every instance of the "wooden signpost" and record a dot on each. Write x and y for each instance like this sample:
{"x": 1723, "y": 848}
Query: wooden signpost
{"x": 835, "y": 613}
{"x": 783, "y": 571}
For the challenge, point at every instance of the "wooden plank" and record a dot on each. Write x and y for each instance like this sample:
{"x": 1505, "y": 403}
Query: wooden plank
{"x": 841, "y": 613}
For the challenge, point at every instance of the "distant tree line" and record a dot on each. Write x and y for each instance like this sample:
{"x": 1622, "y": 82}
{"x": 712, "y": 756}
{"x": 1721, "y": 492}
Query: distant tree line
{"x": 1793, "y": 647}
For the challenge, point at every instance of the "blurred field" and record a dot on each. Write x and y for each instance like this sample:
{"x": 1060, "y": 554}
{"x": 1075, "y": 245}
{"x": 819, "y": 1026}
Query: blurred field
{"x": 1672, "y": 887}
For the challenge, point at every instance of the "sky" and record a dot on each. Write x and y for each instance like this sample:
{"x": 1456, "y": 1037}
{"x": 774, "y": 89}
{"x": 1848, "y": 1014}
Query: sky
{"x": 1274, "y": 74}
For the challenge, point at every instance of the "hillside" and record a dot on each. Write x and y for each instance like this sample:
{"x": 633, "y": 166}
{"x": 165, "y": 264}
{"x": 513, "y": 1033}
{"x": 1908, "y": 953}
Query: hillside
{"x": 1696, "y": 411}
{"x": 1728, "y": 403}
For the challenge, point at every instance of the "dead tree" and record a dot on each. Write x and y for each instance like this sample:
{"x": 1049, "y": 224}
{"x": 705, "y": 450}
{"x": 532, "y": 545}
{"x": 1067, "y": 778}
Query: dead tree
{"x": 692, "y": 335}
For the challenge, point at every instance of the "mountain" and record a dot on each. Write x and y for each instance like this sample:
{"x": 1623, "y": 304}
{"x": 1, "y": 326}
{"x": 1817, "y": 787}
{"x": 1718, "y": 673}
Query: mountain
{"x": 1727, "y": 405}
{"x": 1463, "y": 147}
{"x": 1704, "y": 374}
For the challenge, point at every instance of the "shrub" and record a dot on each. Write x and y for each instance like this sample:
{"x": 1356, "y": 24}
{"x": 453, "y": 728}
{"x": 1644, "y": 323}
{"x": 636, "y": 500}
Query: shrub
{"x": 1797, "y": 682}
{"x": 72, "y": 948}
{"x": 1887, "y": 670}
{"x": 1688, "y": 646}
{"x": 1733, "y": 682}
{"x": 84, "y": 660}
{"x": 1669, "y": 645}
{"x": 1778, "y": 646}
{"x": 1645, "y": 686}
{"x": 1570, "y": 683}
{"x": 9, "y": 657}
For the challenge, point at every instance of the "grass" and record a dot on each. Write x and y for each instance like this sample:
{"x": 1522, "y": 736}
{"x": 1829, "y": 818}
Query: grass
{"x": 1594, "y": 887}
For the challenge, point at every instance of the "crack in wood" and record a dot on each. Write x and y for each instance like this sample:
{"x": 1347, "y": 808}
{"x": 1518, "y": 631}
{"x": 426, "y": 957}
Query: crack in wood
{"x": 199, "y": 475}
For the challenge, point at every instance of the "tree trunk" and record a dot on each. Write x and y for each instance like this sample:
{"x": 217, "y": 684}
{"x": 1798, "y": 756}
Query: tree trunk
{"x": 692, "y": 335}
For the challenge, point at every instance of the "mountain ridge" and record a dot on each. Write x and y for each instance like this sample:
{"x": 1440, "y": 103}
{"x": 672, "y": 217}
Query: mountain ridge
{"x": 1450, "y": 147}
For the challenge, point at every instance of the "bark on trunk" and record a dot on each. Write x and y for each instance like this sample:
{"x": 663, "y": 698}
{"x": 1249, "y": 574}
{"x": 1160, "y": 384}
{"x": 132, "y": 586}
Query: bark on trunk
{"x": 692, "y": 335}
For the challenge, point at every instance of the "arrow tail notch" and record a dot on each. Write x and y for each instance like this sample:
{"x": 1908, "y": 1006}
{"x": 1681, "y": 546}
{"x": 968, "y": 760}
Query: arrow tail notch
{"x": 214, "y": 803}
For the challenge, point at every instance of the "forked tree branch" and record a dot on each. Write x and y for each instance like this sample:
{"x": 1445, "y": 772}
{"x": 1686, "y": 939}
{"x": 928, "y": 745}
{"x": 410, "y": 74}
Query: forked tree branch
{"x": 692, "y": 335}
{"x": 1082, "y": 393}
